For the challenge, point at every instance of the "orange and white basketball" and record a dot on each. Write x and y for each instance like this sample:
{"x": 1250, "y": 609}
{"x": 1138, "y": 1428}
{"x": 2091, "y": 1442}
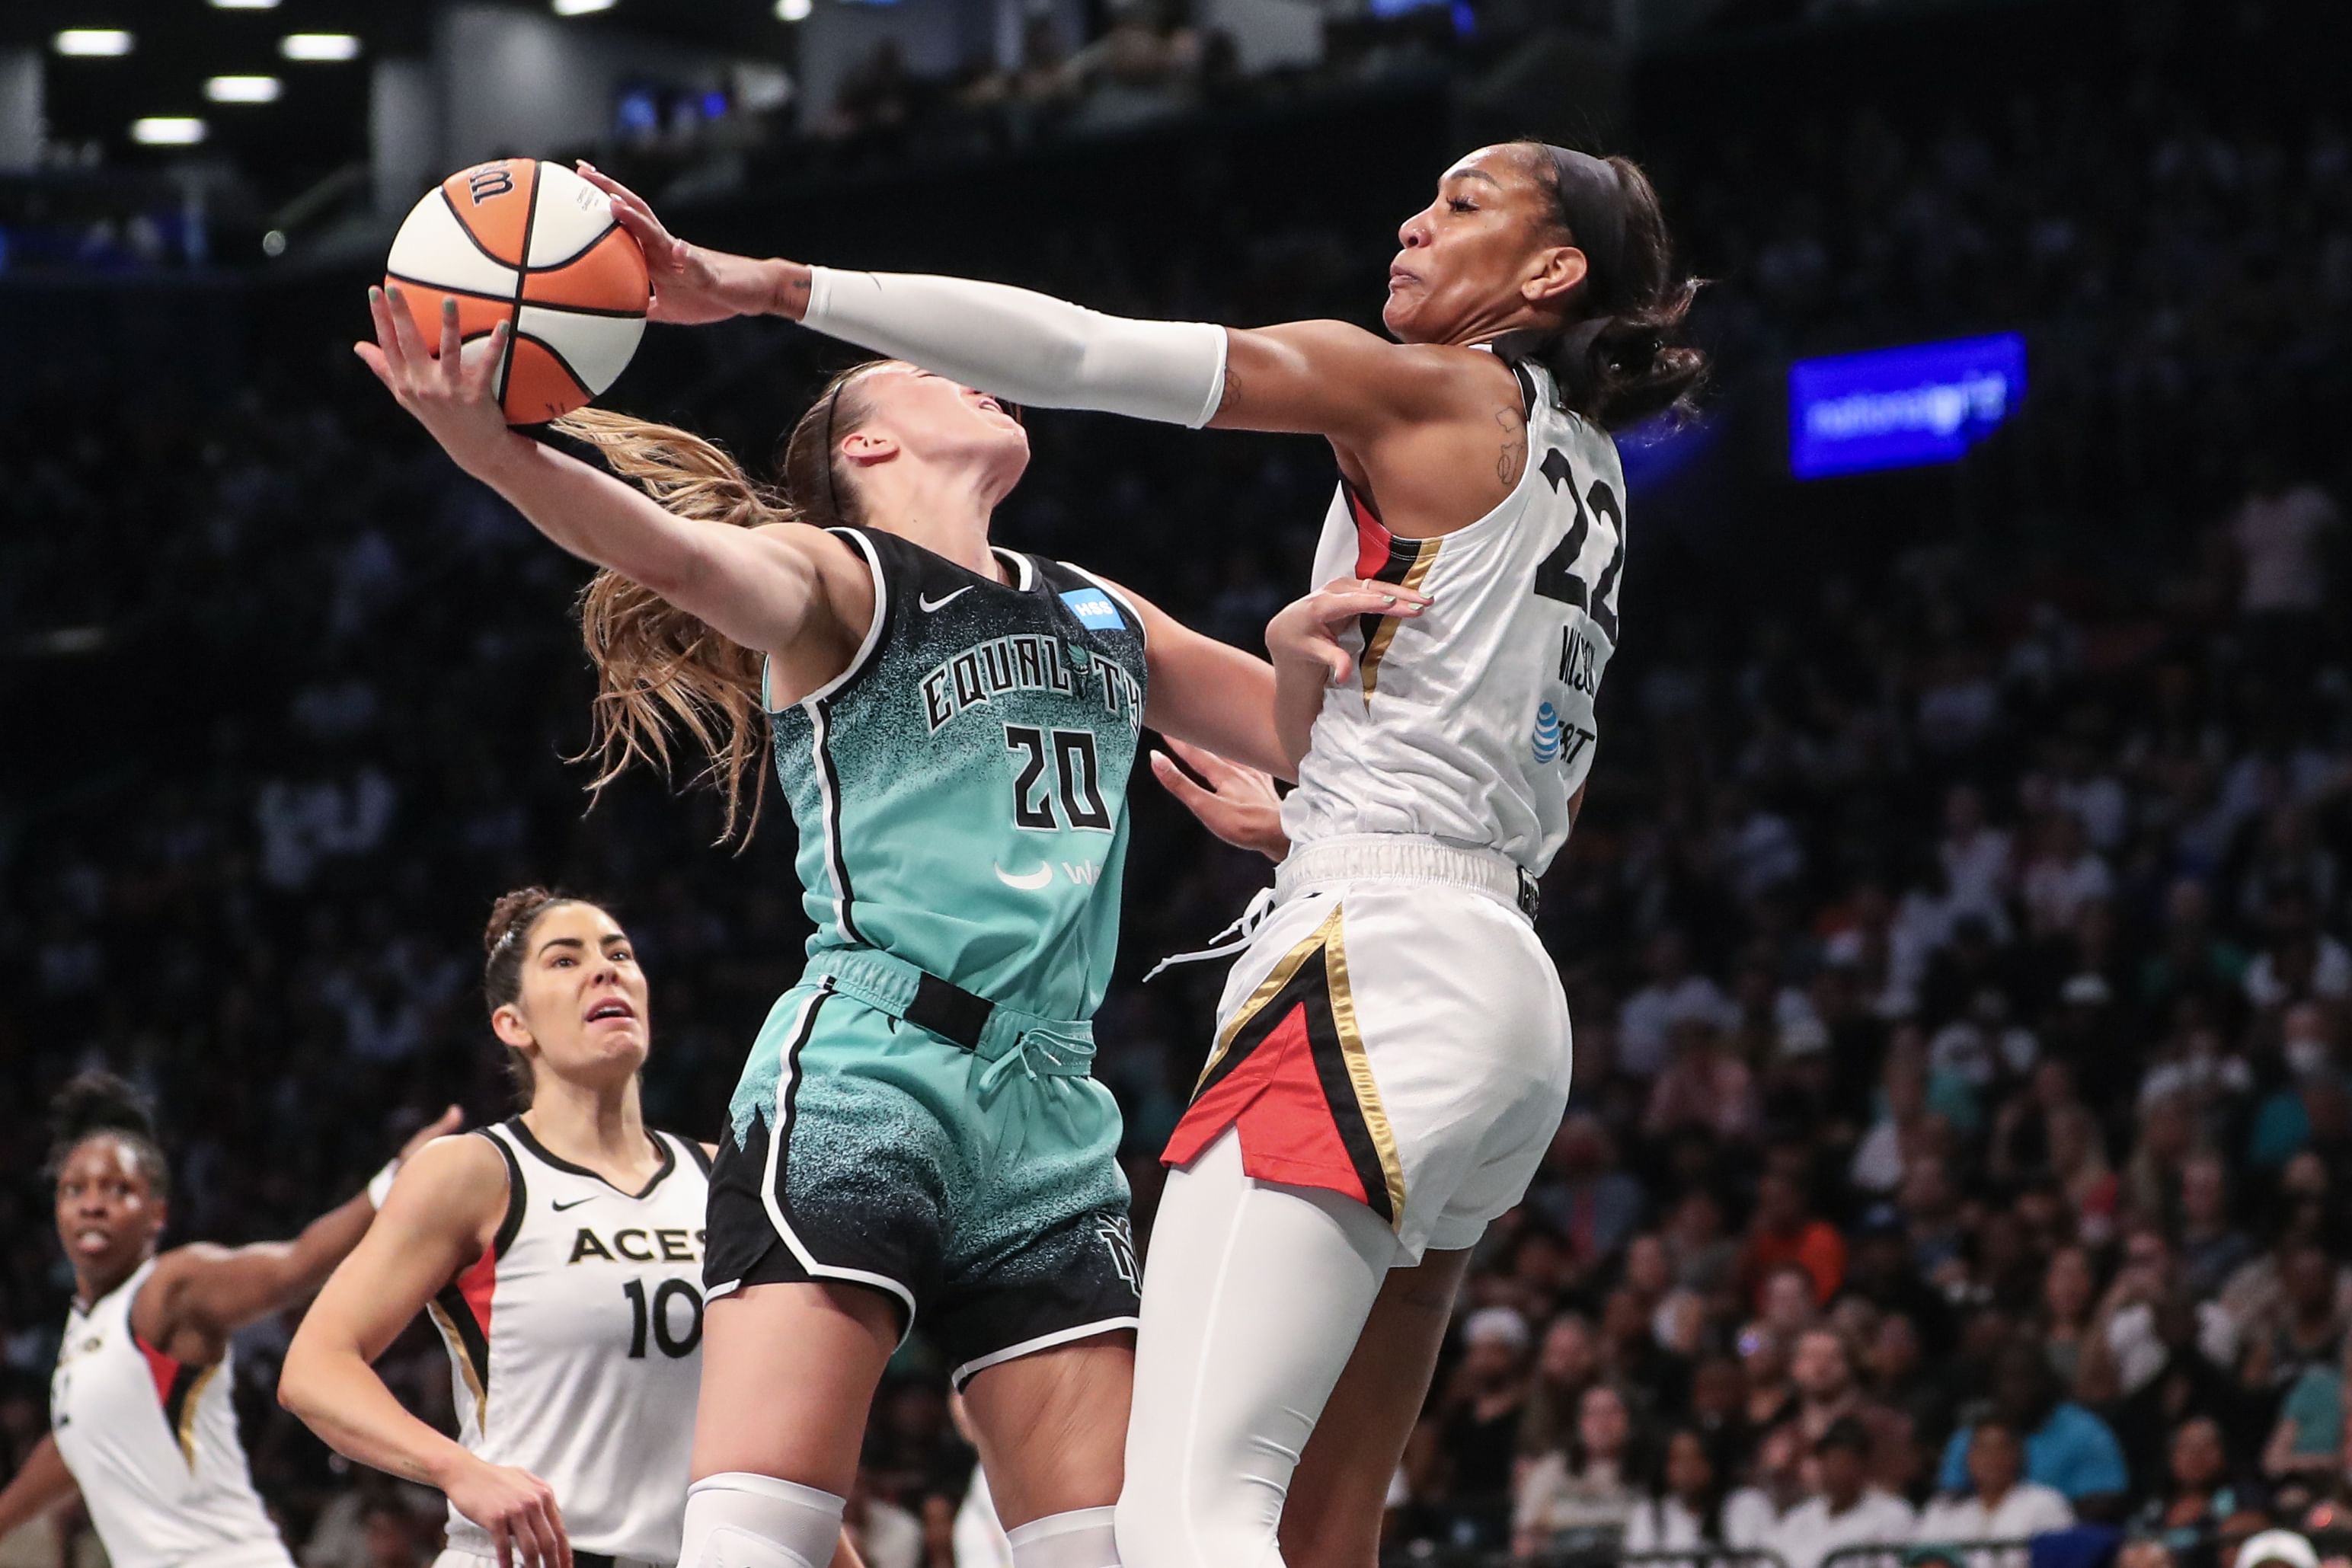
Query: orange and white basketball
{"x": 533, "y": 243}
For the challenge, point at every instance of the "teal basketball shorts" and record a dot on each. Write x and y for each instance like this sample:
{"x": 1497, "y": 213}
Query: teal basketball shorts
{"x": 976, "y": 1184}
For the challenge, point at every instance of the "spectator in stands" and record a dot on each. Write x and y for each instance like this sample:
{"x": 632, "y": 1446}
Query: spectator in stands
{"x": 1776, "y": 1486}
{"x": 1585, "y": 1193}
{"x": 2307, "y": 1446}
{"x": 1845, "y": 1509}
{"x": 2281, "y": 532}
{"x": 1645, "y": 1021}
{"x": 1568, "y": 1361}
{"x": 1479, "y": 1425}
{"x": 1587, "y": 1490}
{"x": 2001, "y": 1504}
{"x": 1786, "y": 1231}
{"x": 2200, "y": 1491}
{"x": 1683, "y": 1509}
{"x": 2067, "y": 1448}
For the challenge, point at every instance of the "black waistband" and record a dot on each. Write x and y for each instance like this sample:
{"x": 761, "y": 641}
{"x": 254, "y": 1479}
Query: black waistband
{"x": 949, "y": 1011}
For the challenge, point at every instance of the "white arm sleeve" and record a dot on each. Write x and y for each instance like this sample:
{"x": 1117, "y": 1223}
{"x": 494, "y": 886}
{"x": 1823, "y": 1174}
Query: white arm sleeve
{"x": 1029, "y": 348}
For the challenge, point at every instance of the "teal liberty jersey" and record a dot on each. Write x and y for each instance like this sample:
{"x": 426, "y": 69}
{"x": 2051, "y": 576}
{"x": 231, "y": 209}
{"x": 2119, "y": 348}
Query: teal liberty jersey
{"x": 961, "y": 790}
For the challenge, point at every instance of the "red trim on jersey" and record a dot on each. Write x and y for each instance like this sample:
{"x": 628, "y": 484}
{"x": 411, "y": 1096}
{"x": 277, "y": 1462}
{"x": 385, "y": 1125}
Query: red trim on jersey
{"x": 477, "y": 1284}
{"x": 164, "y": 1369}
{"x": 1275, "y": 1099}
{"x": 1373, "y": 540}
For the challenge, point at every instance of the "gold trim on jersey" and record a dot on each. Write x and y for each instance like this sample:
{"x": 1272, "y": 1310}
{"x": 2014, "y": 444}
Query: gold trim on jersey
{"x": 1359, "y": 1066}
{"x": 464, "y": 1363}
{"x": 1376, "y": 647}
{"x": 186, "y": 1432}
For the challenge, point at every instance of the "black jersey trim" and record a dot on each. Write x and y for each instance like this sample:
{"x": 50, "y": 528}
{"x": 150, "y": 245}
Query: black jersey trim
{"x": 517, "y": 1196}
{"x": 700, "y": 1156}
{"x": 829, "y": 789}
{"x": 522, "y": 1135}
{"x": 456, "y": 1315}
{"x": 1024, "y": 570}
{"x": 1526, "y": 380}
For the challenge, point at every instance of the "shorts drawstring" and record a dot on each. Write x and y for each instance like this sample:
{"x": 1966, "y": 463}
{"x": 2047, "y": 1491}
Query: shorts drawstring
{"x": 1226, "y": 943}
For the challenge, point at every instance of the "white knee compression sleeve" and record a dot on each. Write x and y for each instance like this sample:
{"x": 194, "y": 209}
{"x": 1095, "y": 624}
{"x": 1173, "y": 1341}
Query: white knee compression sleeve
{"x": 1031, "y": 347}
{"x": 745, "y": 1521}
{"x": 1082, "y": 1538}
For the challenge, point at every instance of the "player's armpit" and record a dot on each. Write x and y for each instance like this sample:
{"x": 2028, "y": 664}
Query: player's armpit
{"x": 836, "y": 605}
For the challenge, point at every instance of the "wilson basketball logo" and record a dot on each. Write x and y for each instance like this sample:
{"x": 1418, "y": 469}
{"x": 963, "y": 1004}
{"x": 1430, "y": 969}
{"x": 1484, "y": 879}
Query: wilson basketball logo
{"x": 484, "y": 183}
{"x": 536, "y": 246}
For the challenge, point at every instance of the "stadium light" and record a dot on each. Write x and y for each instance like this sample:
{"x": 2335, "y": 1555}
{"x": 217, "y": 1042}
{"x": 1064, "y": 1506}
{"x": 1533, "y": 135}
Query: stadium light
{"x": 795, "y": 10}
{"x": 93, "y": 41}
{"x": 581, "y": 7}
{"x": 318, "y": 46}
{"x": 242, "y": 89}
{"x": 167, "y": 130}
{"x": 244, "y": 4}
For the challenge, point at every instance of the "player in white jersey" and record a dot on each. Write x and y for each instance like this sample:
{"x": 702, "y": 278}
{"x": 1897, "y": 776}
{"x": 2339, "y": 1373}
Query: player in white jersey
{"x": 560, "y": 1254}
{"x": 140, "y": 1414}
{"x": 1393, "y": 1053}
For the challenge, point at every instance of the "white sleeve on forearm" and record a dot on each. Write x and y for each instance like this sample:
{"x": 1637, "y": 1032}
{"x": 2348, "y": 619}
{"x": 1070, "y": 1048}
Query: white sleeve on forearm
{"x": 1029, "y": 348}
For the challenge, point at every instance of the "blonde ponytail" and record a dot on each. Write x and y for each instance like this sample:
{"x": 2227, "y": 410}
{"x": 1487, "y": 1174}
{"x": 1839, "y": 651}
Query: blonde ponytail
{"x": 658, "y": 668}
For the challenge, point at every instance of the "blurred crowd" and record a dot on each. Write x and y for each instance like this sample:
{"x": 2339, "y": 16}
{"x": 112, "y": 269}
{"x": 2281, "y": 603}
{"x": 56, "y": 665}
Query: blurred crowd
{"x": 1956, "y": 934}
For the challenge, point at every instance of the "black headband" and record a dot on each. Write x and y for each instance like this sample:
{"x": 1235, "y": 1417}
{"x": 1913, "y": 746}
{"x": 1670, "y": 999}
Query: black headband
{"x": 1592, "y": 201}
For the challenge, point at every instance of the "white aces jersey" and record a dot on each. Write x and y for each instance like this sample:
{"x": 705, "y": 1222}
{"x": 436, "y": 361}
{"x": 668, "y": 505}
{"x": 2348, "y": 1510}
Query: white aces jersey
{"x": 1473, "y": 723}
{"x": 153, "y": 1444}
{"x": 575, "y": 1344}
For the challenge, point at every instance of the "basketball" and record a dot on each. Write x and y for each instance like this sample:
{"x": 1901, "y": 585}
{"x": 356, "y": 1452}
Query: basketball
{"x": 530, "y": 242}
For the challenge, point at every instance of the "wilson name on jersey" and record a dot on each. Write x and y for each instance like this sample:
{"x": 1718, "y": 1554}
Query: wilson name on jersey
{"x": 1473, "y": 723}
{"x": 573, "y": 1343}
{"x": 153, "y": 1444}
{"x": 961, "y": 789}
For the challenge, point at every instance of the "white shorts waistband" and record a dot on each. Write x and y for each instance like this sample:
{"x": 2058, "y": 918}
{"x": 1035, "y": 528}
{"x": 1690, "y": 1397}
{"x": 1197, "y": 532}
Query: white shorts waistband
{"x": 1399, "y": 857}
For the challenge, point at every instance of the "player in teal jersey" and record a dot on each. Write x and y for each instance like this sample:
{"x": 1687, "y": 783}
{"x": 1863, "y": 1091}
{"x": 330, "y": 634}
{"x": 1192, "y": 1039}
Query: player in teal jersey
{"x": 916, "y": 1135}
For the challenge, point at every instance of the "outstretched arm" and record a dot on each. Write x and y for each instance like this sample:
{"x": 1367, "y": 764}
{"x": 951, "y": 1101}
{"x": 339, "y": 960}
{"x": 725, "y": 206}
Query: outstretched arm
{"x": 441, "y": 1214}
{"x": 200, "y": 1294}
{"x": 784, "y": 589}
{"x": 1321, "y": 378}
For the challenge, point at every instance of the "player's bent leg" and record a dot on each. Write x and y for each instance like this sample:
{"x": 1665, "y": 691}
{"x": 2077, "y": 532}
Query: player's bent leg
{"x": 1332, "y": 1518}
{"x": 1254, "y": 1294}
{"x": 1052, "y": 1428}
{"x": 788, "y": 1374}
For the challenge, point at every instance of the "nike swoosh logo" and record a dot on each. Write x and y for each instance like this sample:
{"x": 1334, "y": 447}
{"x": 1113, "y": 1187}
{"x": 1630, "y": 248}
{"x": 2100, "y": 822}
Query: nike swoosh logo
{"x": 1027, "y": 882}
{"x": 577, "y": 1202}
{"x": 932, "y": 606}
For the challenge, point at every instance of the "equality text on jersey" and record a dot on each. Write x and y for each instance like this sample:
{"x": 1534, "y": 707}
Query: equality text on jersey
{"x": 1029, "y": 661}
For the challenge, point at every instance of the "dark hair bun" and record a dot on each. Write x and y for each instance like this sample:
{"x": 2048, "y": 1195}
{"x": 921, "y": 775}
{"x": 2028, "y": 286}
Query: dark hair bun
{"x": 98, "y": 1101}
{"x": 513, "y": 914}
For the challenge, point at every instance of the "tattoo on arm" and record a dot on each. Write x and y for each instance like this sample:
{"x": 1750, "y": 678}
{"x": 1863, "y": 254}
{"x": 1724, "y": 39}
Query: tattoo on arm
{"x": 1232, "y": 394}
{"x": 1513, "y": 459}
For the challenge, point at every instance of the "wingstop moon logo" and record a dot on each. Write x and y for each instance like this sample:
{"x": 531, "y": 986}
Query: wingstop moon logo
{"x": 1546, "y": 739}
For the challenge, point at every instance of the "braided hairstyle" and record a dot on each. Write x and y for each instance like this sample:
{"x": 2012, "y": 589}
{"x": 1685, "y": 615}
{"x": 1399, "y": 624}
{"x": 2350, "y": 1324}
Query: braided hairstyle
{"x": 97, "y": 1104}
